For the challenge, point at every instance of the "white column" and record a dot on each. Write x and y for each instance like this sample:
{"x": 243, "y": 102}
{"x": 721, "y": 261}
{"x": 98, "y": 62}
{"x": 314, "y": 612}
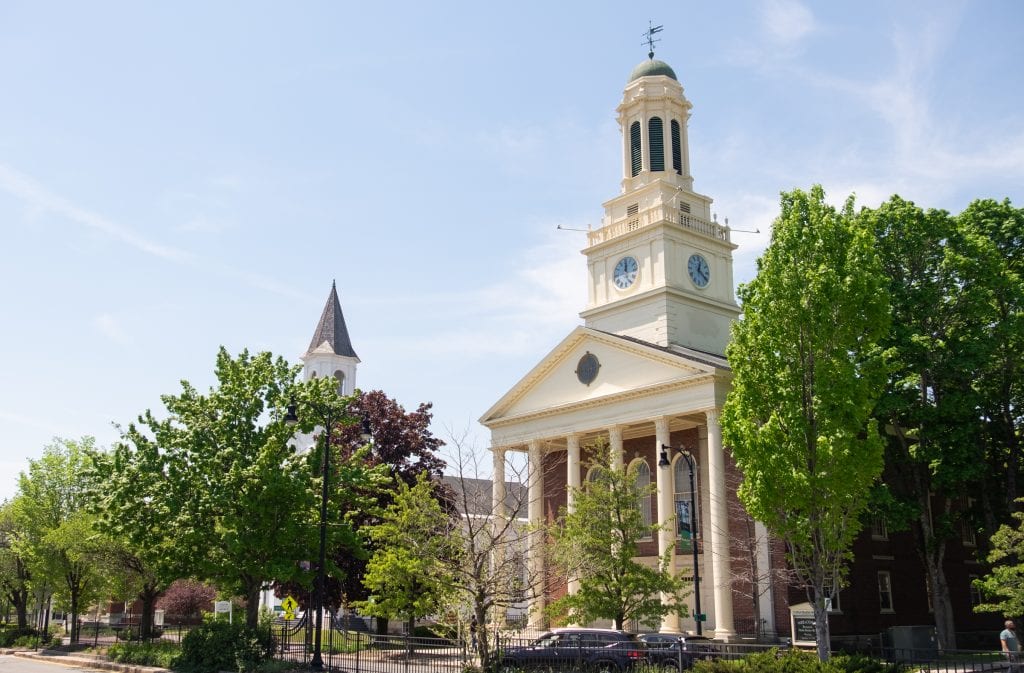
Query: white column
{"x": 499, "y": 507}
{"x": 572, "y": 482}
{"x": 498, "y": 486}
{"x": 615, "y": 443}
{"x": 666, "y": 513}
{"x": 719, "y": 528}
{"x": 535, "y": 481}
{"x": 766, "y": 601}
{"x": 572, "y": 470}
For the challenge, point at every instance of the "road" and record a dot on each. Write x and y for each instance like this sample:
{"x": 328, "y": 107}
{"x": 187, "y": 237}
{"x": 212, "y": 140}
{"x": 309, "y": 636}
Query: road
{"x": 12, "y": 664}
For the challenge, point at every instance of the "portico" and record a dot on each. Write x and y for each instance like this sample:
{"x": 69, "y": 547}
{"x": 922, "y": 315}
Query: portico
{"x": 661, "y": 397}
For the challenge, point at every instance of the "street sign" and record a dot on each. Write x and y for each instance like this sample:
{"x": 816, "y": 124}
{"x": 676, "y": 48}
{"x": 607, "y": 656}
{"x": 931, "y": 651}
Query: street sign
{"x": 224, "y": 606}
{"x": 289, "y": 605}
{"x": 701, "y": 617}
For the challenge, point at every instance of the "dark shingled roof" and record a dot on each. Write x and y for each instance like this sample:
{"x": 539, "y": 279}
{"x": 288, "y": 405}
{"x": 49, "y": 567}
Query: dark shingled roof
{"x": 331, "y": 328}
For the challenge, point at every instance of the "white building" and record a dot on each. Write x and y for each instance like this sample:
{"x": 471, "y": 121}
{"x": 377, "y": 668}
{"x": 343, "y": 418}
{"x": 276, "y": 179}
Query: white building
{"x": 647, "y": 367}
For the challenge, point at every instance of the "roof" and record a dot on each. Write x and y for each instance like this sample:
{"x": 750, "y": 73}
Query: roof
{"x": 652, "y": 67}
{"x": 479, "y": 494}
{"x": 703, "y": 357}
{"x": 331, "y": 328}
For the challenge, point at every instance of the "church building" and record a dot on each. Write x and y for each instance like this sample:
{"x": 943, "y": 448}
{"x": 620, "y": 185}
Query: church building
{"x": 646, "y": 370}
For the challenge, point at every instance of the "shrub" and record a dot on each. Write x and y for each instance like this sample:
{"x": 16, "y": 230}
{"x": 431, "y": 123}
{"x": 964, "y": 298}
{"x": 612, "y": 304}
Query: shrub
{"x": 795, "y": 661}
{"x": 162, "y": 654}
{"x": 9, "y": 636}
{"x": 219, "y": 646}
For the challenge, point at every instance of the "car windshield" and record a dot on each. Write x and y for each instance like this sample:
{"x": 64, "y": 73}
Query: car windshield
{"x": 547, "y": 640}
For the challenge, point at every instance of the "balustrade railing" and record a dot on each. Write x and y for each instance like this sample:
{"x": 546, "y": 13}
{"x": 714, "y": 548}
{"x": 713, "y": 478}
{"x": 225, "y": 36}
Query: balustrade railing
{"x": 653, "y": 216}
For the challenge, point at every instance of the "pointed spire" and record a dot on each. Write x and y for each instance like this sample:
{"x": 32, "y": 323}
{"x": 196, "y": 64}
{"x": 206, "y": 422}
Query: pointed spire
{"x": 332, "y": 329}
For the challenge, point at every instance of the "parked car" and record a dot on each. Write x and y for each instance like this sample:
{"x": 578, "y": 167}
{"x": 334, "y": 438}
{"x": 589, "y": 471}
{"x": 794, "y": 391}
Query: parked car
{"x": 569, "y": 649}
{"x": 675, "y": 650}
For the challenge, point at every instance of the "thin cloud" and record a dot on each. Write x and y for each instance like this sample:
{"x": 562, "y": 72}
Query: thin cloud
{"x": 787, "y": 22}
{"x": 108, "y": 326}
{"x": 38, "y": 197}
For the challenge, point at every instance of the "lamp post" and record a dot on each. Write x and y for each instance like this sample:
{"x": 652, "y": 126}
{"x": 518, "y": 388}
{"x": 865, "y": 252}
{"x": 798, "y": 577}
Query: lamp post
{"x": 328, "y": 413}
{"x": 663, "y": 464}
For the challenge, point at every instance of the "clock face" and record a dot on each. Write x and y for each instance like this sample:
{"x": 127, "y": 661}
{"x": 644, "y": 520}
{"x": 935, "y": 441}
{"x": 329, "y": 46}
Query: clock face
{"x": 625, "y": 272}
{"x": 700, "y": 272}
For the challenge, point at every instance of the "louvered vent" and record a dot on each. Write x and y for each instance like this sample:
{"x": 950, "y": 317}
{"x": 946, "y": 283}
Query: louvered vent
{"x": 632, "y": 212}
{"x": 635, "y": 156}
{"x": 684, "y": 206}
{"x": 656, "y": 141}
{"x": 677, "y": 149}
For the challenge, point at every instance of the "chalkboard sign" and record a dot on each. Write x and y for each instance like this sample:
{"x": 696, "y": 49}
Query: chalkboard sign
{"x": 803, "y": 629}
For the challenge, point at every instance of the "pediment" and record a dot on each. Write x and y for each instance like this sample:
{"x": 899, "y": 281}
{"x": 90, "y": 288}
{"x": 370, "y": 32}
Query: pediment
{"x": 627, "y": 366}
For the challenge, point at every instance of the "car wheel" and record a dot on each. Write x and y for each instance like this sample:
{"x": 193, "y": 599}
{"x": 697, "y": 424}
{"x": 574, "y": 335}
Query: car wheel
{"x": 604, "y": 667}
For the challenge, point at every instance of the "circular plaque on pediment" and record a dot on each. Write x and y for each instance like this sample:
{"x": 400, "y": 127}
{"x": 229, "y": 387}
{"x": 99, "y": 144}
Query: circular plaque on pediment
{"x": 587, "y": 368}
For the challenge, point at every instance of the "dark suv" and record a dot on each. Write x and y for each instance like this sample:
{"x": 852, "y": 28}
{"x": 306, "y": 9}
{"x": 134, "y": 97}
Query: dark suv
{"x": 595, "y": 650}
{"x": 676, "y": 651}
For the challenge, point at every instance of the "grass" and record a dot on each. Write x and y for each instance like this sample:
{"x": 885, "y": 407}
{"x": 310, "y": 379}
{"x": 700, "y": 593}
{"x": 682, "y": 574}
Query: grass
{"x": 154, "y": 653}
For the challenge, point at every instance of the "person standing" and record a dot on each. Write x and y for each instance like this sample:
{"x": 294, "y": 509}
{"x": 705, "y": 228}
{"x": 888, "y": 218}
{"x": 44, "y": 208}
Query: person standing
{"x": 1010, "y": 645}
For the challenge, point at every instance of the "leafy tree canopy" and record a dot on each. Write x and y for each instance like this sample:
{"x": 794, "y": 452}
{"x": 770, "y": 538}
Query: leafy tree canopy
{"x": 807, "y": 374}
{"x": 597, "y": 543}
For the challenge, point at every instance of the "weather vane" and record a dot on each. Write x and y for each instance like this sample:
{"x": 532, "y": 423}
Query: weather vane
{"x": 649, "y": 37}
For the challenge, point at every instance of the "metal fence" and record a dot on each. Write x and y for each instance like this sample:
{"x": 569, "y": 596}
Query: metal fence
{"x": 343, "y": 649}
{"x": 362, "y": 652}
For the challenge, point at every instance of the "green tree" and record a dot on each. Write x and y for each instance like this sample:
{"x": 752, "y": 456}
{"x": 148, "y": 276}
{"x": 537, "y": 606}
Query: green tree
{"x": 408, "y": 575}
{"x": 934, "y": 453}
{"x": 807, "y": 373}
{"x": 403, "y": 445}
{"x": 55, "y": 531}
{"x": 990, "y": 265}
{"x": 597, "y": 543}
{"x": 14, "y": 573}
{"x": 137, "y": 504}
{"x": 1003, "y": 587}
{"x": 232, "y": 501}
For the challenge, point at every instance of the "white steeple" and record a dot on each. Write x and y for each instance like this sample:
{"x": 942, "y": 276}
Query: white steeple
{"x": 660, "y": 266}
{"x": 330, "y": 352}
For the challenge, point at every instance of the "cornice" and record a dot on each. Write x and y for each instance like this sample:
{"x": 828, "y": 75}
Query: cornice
{"x": 582, "y": 405}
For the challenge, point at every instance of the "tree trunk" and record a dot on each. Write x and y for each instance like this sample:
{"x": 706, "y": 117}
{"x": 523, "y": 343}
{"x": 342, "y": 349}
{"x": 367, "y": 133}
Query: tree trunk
{"x": 252, "y": 604}
{"x": 933, "y": 553}
{"x": 148, "y": 596}
{"x": 483, "y": 645}
{"x": 821, "y": 630}
{"x": 945, "y": 626}
{"x": 20, "y": 600}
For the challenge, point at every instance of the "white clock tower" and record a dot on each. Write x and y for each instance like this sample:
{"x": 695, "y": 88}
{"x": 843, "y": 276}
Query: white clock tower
{"x": 660, "y": 266}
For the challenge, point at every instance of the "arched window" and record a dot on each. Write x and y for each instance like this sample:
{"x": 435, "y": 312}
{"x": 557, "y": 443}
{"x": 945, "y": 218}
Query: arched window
{"x": 340, "y": 375}
{"x": 677, "y": 148}
{"x": 643, "y": 483}
{"x": 635, "y": 155}
{"x": 656, "y": 143}
{"x": 683, "y": 501}
{"x": 594, "y": 474}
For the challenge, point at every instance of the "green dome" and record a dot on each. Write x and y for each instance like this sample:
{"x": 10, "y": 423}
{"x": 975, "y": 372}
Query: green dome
{"x": 651, "y": 68}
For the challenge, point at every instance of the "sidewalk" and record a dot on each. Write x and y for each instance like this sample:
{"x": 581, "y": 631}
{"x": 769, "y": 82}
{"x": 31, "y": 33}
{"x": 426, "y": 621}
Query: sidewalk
{"x": 84, "y": 660}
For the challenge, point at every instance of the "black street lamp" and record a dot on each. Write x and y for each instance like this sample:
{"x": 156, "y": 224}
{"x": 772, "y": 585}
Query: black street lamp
{"x": 664, "y": 463}
{"x": 328, "y": 414}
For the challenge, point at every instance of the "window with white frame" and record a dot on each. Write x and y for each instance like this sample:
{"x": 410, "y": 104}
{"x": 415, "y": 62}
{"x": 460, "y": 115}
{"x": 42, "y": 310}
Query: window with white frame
{"x": 643, "y": 484}
{"x": 977, "y": 598}
{"x": 826, "y": 590}
{"x": 885, "y": 591}
{"x": 879, "y": 529}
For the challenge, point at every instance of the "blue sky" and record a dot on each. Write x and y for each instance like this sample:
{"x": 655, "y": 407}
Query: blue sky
{"x": 178, "y": 176}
